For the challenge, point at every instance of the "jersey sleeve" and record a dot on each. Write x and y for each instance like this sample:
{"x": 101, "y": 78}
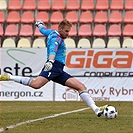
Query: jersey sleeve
{"x": 45, "y": 31}
{"x": 53, "y": 47}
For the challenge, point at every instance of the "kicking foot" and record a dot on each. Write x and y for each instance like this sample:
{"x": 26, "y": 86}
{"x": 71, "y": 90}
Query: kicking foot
{"x": 100, "y": 111}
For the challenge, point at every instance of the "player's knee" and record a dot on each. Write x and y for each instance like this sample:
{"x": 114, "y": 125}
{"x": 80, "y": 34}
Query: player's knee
{"x": 36, "y": 86}
{"x": 82, "y": 87}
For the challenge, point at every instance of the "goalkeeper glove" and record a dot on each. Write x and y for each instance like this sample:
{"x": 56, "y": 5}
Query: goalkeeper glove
{"x": 48, "y": 65}
{"x": 39, "y": 23}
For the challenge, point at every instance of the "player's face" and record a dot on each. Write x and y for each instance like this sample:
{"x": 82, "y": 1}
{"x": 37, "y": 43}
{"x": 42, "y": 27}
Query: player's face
{"x": 64, "y": 32}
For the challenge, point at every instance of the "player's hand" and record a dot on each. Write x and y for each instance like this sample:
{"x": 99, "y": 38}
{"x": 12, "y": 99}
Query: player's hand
{"x": 48, "y": 65}
{"x": 39, "y": 23}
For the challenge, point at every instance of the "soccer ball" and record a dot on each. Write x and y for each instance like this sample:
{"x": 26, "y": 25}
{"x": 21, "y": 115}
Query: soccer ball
{"x": 110, "y": 112}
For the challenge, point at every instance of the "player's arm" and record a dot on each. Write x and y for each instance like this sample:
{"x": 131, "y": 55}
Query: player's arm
{"x": 42, "y": 28}
{"x": 53, "y": 47}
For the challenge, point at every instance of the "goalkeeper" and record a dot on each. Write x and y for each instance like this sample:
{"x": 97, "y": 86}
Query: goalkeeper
{"x": 53, "y": 68}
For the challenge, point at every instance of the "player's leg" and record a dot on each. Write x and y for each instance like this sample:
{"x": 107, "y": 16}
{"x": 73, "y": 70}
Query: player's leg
{"x": 34, "y": 83}
{"x": 38, "y": 82}
{"x": 67, "y": 80}
{"x": 41, "y": 80}
{"x": 77, "y": 85}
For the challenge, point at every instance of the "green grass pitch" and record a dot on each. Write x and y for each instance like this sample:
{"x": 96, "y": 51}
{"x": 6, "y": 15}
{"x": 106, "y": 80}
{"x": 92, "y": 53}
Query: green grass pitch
{"x": 85, "y": 121}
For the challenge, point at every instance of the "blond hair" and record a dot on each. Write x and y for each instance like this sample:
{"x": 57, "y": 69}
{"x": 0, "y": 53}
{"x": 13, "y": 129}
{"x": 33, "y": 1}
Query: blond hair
{"x": 64, "y": 23}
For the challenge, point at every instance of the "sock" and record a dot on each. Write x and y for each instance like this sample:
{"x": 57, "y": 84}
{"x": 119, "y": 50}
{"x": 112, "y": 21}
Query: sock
{"x": 22, "y": 80}
{"x": 88, "y": 100}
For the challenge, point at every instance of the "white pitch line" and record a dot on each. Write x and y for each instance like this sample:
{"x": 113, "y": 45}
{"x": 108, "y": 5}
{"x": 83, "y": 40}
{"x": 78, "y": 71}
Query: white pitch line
{"x": 39, "y": 119}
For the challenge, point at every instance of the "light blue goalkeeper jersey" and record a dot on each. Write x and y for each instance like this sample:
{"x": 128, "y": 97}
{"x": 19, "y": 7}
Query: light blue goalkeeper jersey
{"x": 55, "y": 44}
